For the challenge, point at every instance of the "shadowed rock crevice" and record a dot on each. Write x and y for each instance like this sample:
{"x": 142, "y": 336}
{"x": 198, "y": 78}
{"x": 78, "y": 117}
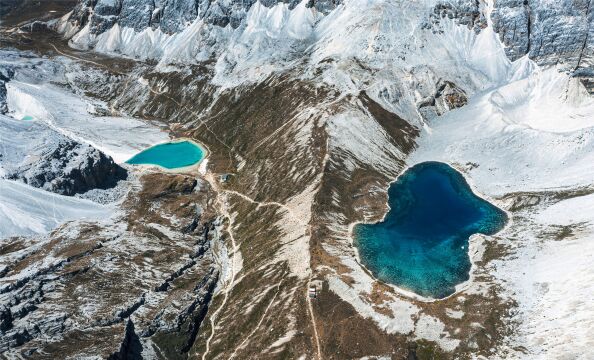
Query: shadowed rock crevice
{"x": 131, "y": 348}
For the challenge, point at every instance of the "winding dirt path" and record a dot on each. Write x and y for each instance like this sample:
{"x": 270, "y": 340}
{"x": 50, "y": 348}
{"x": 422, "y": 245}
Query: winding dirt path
{"x": 152, "y": 90}
{"x": 228, "y": 286}
{"x": 257, "y": 327}
{"x": 315, "y": 328}
{"x": 85, "y": 60}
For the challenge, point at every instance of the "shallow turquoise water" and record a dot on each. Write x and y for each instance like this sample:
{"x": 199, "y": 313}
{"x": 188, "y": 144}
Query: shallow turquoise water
{"x": 422, "y": 244}
{"x": 171, "y": 155}
{"x": 27, "y": 117}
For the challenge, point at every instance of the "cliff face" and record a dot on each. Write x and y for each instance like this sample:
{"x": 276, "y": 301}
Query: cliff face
{"x": 5, "y": 75}
{"x": 119, "y": 290}
{"x": 549, "y": 32}
{"x": 172, "y": 16}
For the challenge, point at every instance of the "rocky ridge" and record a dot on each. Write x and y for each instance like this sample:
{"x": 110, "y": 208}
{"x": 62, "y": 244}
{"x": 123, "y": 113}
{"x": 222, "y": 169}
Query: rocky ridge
{"x": 5, "y": 75}
{"x": 142, "y": 285}
{"x": 549, "y": 34}
{"x": 171, "y": 16}
{"x": 43, "y": 158}
{"x": 69, "y": 168}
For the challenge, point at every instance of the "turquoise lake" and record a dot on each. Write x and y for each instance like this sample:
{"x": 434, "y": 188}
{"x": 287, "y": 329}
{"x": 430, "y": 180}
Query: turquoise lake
{"x": 422, "y": 244}
{"x": 27, "y": 117}
{"x": 172, "y": 155}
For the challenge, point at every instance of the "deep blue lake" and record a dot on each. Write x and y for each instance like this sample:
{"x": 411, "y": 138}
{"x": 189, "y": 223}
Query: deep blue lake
{"x": 170, "y": 155}
{"x": 422, "y": 244}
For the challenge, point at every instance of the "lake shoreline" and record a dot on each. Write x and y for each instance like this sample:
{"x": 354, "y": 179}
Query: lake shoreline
{"x": 474, "y": 244}
{"x": 177, "y": 170}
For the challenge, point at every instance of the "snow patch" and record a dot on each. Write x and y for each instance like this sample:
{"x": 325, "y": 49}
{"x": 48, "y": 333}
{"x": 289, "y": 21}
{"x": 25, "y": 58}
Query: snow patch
{"x": 553, "y": 284}
{"x": 403, "y": 311}
{"x": 120, "y": 138}
{"x": 431, "y": 328}
{"x": 25, "y": 210}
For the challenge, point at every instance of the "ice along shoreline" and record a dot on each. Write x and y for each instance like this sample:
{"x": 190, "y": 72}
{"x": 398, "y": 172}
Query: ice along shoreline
{"x": 475, "y": 248}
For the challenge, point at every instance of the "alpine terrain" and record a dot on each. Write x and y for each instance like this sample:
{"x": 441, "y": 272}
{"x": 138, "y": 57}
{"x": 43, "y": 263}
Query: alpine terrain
{"x": 285, "y": 212}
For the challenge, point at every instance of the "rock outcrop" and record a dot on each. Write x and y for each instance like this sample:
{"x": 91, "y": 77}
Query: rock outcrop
{"x": 41, "y": 157}
{"x": 464, "y": 12}
{"x": 171, "y": 16}
{"x": 70, "y": 168}
{"x": 95, "y": 290}
{"x": 447, "y": 96}
{"x": 6, "y": 74}
{"x": 550, "y": 33}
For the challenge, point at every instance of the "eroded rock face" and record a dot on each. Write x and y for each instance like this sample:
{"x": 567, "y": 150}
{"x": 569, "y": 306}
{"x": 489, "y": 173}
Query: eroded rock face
{"x": 447, "y": 96}
{"x": 464, "y": 12}
{"x": 41, "y": 157}
{"x": 550, "y": 33}
{"x": 172, "y": 16}
{"x": 6, "y": 74}
{"x": 67, "y": 167}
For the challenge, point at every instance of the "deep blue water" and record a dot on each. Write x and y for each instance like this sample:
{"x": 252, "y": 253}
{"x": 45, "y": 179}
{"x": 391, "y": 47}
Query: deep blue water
{"x": 171, "y": 155}
{"x": 422, "y": 244}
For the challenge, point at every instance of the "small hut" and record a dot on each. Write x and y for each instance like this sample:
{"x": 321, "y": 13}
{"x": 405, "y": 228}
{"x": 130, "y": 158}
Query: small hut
{"x": 314, "y": 289}
{"x": 312, "y": 292}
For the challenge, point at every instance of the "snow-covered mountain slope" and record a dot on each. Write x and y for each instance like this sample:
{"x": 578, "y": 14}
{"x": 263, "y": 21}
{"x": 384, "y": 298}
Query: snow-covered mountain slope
{"x": 42, "y": 90}
{"x": 26, "y": 210}
{"x": 43, "y": 158}
{"x": 73, "y": 117}
{"x": 172, "y": 16}
{"x": 530, "y": 142}
{"x": 551, "y": 277}
{"x": 312, "y": 112}
{"x": 38, "y": 153}
{"x": 264, "y": 34}
{"x": 534, "y": 133}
